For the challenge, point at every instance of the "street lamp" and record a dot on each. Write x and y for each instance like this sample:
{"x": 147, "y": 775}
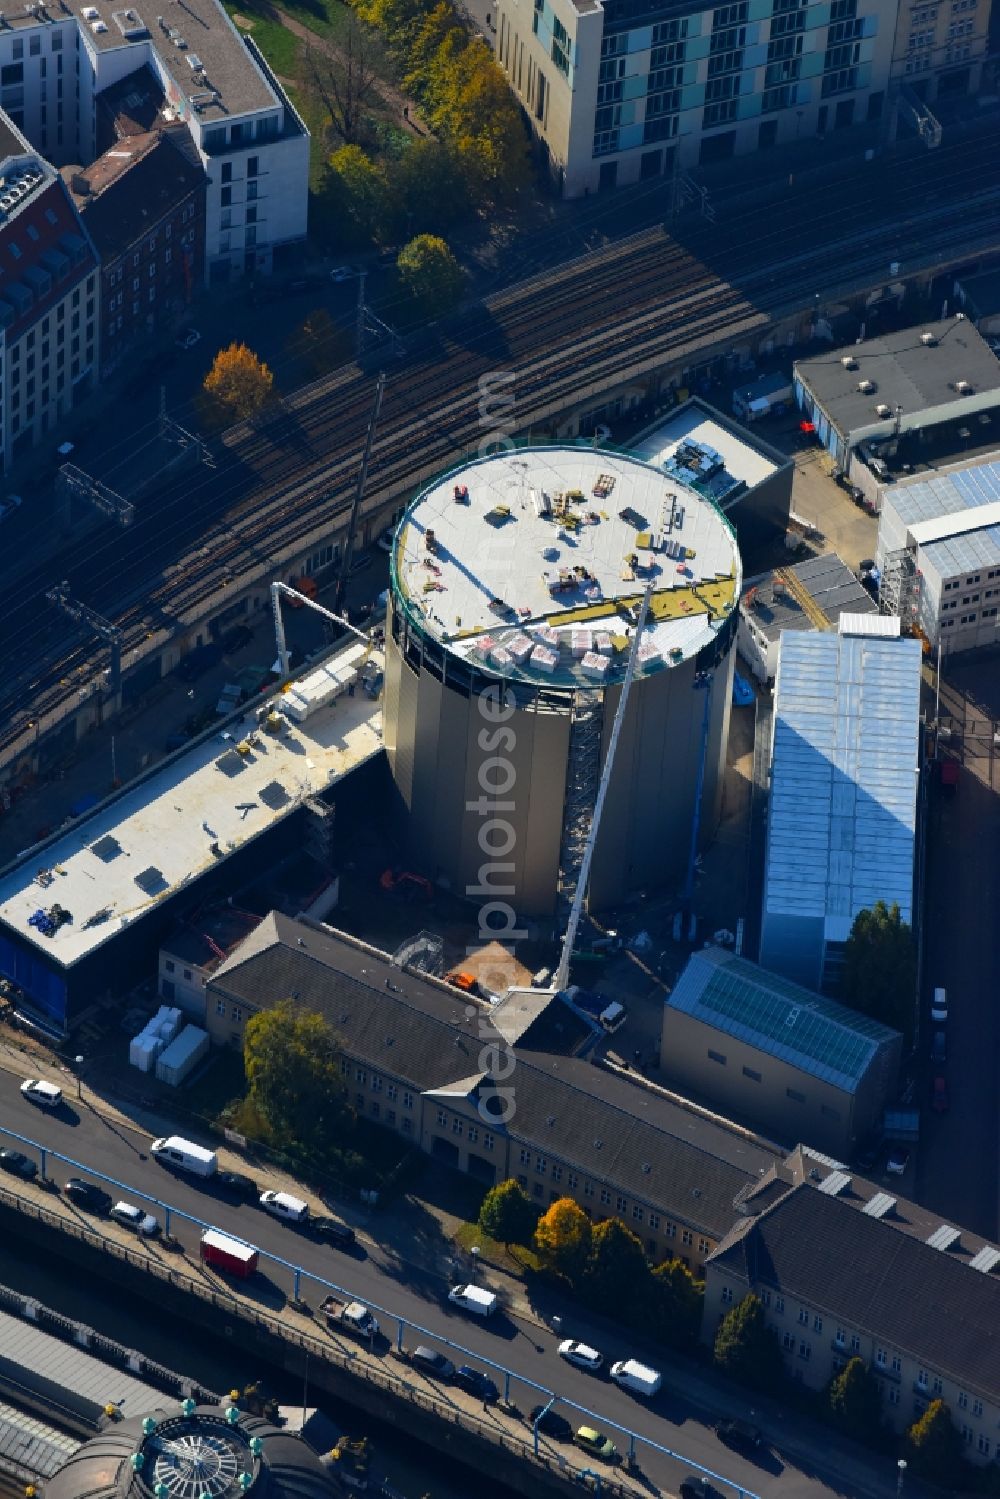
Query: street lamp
{"x": 79, "y": 1076}
{"x": 901, "y": 1466}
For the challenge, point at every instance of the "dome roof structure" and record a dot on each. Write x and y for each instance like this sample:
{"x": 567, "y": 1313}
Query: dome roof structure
{"x": 193, "y": 1452}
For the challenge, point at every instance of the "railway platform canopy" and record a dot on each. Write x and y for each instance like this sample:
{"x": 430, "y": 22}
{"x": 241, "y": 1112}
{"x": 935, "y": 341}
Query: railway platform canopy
{"x": 65, "y": 899}
{"x": 533, "y": 564}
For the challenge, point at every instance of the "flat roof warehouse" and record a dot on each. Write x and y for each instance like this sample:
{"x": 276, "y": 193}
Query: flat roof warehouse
{"x": 166, "y": 830}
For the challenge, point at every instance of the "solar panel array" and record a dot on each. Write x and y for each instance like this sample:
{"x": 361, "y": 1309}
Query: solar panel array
{"x": 776, "y": 1016}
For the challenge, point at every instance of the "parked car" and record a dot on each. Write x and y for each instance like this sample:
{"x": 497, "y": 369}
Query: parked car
{"x": 696, "y": 1487}
{"x": 342, "y": 273}
{"x": 596, "y": 1443}
{"x": 581, "y": 1354}
{"x": 341, "y": 1235}
{"x": 939, "y": 1006}
{"x": 187, "y": 338}
{"x": 552, "y": 1424}
{"x": 431, "y": 1362}
{"x": 939, "y": 1048}
{"x": 87, "y": 1195}
{"x": 384, "y": 542}
{"x": 237, "y": 1184}
{"x": 740, "y": 1434}
{"x": 18, "y": 1164}
{"x": 477, "y": 1383}
{"x": 236, "y": 638}
{"x": 136, "y": 1218}
{"x": 939, "y": 1095}
{"x": 898, "y": 1161}
{"x": 37, "y": 1090}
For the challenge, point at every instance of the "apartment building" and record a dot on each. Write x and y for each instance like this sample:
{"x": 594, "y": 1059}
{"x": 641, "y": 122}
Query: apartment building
{"x": 143, "y": 203}
{"x": 500, "y": 1092}
{"x": 626, "y": 90}
{"x": 49, "y": 332}
{"x": 252, "y": 144}
{"x": 941, "y": 46}
{"x": 845, "y": 1269}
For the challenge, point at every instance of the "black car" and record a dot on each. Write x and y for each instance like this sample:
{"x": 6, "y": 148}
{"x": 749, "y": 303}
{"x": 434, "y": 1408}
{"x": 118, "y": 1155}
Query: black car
{"x": 696, "y": 1487}
{"x": 740, "y": 1434}
{"x": 334, "y": 1232}
{"x": 477, "y": 1383}
{"x": 87, "y": 1195}
{"x": 552, "y": 1424}
{"x": 236, "y": 1184}
{"x": 236, "y": 638}
{"x": 18, "y": 1164}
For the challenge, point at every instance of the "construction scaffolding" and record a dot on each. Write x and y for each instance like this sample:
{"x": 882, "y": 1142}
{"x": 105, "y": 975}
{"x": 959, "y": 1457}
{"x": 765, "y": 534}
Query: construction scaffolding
{"x": 897, "y": 591}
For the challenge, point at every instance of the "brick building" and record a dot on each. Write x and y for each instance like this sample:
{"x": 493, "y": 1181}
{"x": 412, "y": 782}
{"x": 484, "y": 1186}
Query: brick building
{"x": 48, "y": 299}
{"x": 143, "y": 203}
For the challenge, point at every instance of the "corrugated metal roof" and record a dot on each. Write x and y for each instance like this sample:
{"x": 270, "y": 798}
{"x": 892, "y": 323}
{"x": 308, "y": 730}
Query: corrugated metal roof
{"x": 843, "y": 778}
{"x": 778, "y": 1017}
{"x": 68, "y": 1375}
{"x": 886, "y": 625}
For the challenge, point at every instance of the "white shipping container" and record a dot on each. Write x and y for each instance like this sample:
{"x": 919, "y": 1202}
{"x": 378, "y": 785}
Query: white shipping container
{"x": 182, "y": 1056}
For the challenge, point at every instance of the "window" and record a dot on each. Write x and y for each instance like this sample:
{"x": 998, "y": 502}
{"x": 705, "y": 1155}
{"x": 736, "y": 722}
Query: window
{"x": 541, "y": 1165}
{"x": 817, "y": 1324}
{"x": 253, "y": 163}
{"x": 897, "y": 1364}
{"x": 779, "y": 1305}
{"x": 220, "y": 1007}
{"x": 687, "y": 1237}
{"x": 227, "y": 171}
{"x": 557, "y": 1173}
{"x": 967, "y": 1434}
{"x": 168, "y": 988}
{"x": 984, "y": 1446}
{"x": 893, "y": 1394}
{"x": 376, "y": 1084}
{"x": 922, "y": 1378}
{"x": 977, "y": 1407}
{"x": 588, "y": 1189}
{"x": 391, "y": 1092}
{"x": 169, "y": 965}
{"x": 487, "y": 1141}
{"x": 251, "y": 217}
{"x": 605, "y": 1197}
{"x": 804, "y": 1316}
{"x": 227, "y": 197}
{"x": 751, "y": 1074}
{"x": 407, "y": 1126}
{"x": 251, "y": 192}
{"x": 963, "y": 1401}
{"x": 621, "y": 1205}
{"x": 390, "y": 1117}
{"x": 716, "y": 1056}
{"x": 407, "y": 1100}
{"x": 572, "y": 1180}
{"x": 12, "y": 73}
{"x": 345, "y": 1067}
{"x": 473, "y": 1134}
{"x": 442, "y": 1119}
{"x": 456, "y": 1126}
{"x": 57, "y": 41}
{"x": 637, "y": 1213}
{"x": 788, "y": 1341}
{"x": 654, "y": 1220}
{"x": 828, "y": 1111}
{"x": 727, "y": 1295}
{"x": 361, "y": 1075}
{"x": 15, "y": 250}
{"x": 882, "y": 1358}
{"x": 537, "y": 1189}
{"x": 525, "y": 1157}
{"x": 805, "y": 1351}
{"x": 237, "y": 1013}
{"x": 795, "y": 1096}
{"x": 152, "y": 294}
{"x": 855, "y": 1343}
{"x": 374, "y": 1109}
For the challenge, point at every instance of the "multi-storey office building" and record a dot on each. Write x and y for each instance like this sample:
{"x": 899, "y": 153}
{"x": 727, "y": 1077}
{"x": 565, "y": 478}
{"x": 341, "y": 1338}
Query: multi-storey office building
{"x": 254, "y": 147}
{"x": 49, "y": 333}
{"x": 941, "y": 46}
{"x": 623, "y": 90}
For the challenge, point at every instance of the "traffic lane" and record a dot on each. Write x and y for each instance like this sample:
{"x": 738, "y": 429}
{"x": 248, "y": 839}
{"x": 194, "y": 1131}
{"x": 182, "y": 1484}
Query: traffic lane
{"x": 120, "y": 1153}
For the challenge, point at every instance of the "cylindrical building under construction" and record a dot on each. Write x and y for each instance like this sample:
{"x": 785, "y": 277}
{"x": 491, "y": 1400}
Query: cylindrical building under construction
{"x": 516, "y": 585}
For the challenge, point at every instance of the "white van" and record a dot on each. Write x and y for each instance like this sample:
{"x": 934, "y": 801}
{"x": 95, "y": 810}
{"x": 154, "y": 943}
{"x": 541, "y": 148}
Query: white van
{"x": 637, "y": 1378}
{"x": 184, "y": 1155}
{"x": 613, "y": 1017}
{"x": 939, "y": 1006}
{"x": 284, "y": 1205}
{"x": 474, "y": 1299}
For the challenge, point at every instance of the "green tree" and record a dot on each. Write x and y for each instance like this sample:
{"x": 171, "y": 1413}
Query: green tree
{"x": 439, "y": 29}
{"x": 318, "y": 345}
{"x": 880, "y": 967}
{"x": 746, "y": 1347}
{"x": 508, "y": 1215}
{"x": 237, "y": 386}
{"x": 428, "y": 184}
{"x": 562, "y": 1239}
{"x": 471, "y": 104}
{"x": 934, "y": 1446}
{"x": 431, "y": 275}
{"x": 675, "y": 1305}
{"x": 355, "y": 187}
{"x": 856, "y": 1401}
{"x": 294, "y": 1080}
{"x": 617, "y": 1273}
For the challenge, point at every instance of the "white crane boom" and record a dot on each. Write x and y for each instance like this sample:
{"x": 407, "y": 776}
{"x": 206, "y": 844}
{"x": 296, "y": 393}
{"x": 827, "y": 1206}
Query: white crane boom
{"x": 277, "y": 589}
{"x": 562, "y": 972}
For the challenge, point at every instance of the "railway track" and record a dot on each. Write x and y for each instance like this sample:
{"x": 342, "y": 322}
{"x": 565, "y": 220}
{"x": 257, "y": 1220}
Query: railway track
{"x": 588, "y": 324}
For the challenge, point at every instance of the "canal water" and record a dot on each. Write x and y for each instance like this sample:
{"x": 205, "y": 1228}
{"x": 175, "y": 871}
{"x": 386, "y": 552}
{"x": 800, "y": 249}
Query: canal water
{"x": 136, "y": 1323}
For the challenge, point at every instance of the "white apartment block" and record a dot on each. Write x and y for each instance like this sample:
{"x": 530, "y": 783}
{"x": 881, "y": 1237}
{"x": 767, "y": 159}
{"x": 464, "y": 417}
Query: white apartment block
{"x": 614, "y": 88}
{"x": 54, "y": 62}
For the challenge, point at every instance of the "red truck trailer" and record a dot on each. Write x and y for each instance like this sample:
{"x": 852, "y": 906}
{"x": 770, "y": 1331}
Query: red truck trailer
{"x": 224, "y": 1253}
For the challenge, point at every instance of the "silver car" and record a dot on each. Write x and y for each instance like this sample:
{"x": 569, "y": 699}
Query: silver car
{"x": 140, "y": 1222}
{"x": 581, "y": 1354}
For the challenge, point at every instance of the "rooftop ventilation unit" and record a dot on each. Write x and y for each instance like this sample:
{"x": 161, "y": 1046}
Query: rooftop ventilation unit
{"x": 879, "y": 1206}
{"x": 90, "y": 13}
{"x": 835, "y": 1183}
{"x": 963, "y": 387}
{"x": 848, "y": 361}
{"x": 986, "y": 1260}
{"x": 883, "y": 410}
{"x": 194, "y": 62}
{"x": 944, "y": 1237}
{"x": 928, "y": 340}
{"x": 97, "y": 27}
{"x": 866, "y": 387}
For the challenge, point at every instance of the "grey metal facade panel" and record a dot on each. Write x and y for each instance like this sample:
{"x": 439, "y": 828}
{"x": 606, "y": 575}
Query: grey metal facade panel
{"x": 72, "y": 1377}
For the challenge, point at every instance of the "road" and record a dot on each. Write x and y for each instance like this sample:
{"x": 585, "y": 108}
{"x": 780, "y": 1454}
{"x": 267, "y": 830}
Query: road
{"x": 376, "y": 1275}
